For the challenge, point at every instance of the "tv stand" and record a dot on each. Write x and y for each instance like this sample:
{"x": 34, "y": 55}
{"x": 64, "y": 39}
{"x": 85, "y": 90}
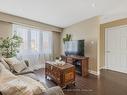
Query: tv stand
{"x": 81, "y": 63}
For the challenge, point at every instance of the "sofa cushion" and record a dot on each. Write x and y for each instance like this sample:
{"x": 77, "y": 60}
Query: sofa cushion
{"x": 35, "y": 86}
{"x": 31, "y": 75}
{"x": 12, "y": 89}
{"x": 5, "y": 75}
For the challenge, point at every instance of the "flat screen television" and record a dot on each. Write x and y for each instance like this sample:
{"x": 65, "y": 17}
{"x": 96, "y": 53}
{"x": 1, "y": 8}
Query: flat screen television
{"x": 75, "y": 47}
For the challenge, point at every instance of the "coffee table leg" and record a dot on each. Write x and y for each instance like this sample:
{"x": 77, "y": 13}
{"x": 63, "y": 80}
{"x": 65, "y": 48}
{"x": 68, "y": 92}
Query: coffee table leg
{"x": 74, "y": 83}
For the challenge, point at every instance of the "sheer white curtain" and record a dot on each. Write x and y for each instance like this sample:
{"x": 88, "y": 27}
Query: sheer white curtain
{"x": 37, "y": 45}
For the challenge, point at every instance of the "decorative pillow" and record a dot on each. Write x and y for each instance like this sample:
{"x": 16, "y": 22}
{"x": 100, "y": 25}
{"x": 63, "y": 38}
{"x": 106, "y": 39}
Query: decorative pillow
{"x": 12, "y": 61}
{"x": 19, "y": 67}
{"x": 4, "y": 63}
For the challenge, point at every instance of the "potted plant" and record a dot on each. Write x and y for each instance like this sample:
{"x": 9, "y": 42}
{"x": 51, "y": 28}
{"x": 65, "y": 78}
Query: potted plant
{"x": 67, "y": 38}
{"x": 9, "y": 47}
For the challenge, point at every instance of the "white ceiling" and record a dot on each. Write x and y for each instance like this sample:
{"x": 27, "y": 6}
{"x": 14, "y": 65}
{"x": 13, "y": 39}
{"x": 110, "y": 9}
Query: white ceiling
{"x": 62, "y": 13}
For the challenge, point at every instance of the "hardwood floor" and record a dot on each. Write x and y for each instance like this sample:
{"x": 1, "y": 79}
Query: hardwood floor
{"x": 109, "y": 83}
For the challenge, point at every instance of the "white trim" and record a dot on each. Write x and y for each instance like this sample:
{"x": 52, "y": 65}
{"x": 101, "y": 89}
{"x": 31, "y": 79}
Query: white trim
{"x": 112, "y": 17}
{"x": 102, "y": 68}
{"x": 120, "y": 70}
{"x": 94, "y": 72}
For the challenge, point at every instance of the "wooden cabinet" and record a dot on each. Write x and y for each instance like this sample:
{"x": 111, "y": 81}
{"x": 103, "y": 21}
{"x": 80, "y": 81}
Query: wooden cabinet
{"x": 83, "y": 62}
{"x": 69, "y": 60}
{"x": 62, "y": 75}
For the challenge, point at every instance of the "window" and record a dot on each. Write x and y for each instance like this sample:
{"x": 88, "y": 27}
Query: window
{"x": 34, "y": 39}
{"x": 35, "y": 35}
{"x": 47, "y": 42}
{"x": 36, "y": 46}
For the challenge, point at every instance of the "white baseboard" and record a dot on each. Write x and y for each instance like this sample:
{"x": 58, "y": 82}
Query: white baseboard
{"x": 103, "y": 68}
{"x": 117, "y": 70}
{"x": 94, "y": 72}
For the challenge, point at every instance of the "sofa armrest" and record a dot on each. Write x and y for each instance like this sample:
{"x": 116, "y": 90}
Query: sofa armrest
{"x": 22, "y": 73}
{"x": 54, "y": 91}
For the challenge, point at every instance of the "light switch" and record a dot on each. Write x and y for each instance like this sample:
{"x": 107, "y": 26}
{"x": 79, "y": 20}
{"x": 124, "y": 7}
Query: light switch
{"x": 92, "y": 42}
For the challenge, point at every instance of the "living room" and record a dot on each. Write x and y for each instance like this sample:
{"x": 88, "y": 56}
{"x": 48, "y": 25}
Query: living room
{"x": 46, "y": 50}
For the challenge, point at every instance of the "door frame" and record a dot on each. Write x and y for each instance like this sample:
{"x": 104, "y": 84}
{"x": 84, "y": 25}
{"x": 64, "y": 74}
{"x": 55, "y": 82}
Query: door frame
{"x": 106, "y": 37}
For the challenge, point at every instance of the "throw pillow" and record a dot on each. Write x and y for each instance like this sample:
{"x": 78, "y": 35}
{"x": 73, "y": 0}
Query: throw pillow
{"x": 12, "y": 61}
{"x": 19, "y": 67}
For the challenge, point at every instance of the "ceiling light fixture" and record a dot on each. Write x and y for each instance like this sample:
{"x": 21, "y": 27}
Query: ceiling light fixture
{"x": 93, "y": 5}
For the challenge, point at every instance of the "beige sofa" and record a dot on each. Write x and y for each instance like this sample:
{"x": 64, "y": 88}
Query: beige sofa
{"x": 11, "y": 84}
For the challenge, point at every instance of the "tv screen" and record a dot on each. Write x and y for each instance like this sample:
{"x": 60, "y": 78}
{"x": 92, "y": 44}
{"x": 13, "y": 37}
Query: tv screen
{"x": 74, "y": 47}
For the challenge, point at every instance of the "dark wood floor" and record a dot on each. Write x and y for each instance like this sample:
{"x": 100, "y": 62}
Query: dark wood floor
{"x": 109, "y": 83}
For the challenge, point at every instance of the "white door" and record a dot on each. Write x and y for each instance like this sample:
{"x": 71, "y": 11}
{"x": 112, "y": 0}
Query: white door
{"x": 116, "y": 48}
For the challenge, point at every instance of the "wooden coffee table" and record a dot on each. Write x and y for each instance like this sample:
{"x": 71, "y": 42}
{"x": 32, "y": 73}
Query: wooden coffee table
{"x": 62, "y": 75}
